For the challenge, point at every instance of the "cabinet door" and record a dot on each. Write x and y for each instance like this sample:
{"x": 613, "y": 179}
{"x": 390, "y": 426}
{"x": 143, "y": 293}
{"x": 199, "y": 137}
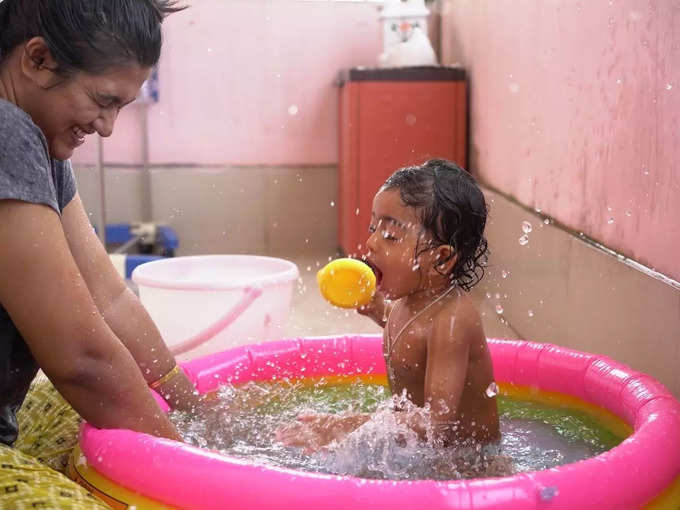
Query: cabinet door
{"x": 401, "y": 124}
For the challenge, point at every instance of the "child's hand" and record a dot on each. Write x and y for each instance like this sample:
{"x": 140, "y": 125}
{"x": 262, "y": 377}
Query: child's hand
{"x": 314, "y": 431}
{"x": 376, "y": 309}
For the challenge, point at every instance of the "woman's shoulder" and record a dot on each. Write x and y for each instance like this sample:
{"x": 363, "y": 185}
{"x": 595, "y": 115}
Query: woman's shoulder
{"x": 14, "y": 117}
{"x": 19, "y": 132}
{"x": 25, "y": 165}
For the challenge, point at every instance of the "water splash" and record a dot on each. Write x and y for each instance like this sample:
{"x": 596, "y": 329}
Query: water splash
{"x": 492, "y": 390}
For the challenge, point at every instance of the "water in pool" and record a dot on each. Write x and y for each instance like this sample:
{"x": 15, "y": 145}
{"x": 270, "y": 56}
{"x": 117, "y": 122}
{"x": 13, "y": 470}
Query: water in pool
{"x": 243, "y": 420}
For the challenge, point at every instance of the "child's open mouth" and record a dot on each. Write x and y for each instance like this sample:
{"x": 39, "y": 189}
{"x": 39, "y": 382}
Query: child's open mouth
{"x": 376, "y": 271}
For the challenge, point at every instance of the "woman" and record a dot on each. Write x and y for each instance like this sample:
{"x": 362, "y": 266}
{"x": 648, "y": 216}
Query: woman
{"x": 67, "y": 67}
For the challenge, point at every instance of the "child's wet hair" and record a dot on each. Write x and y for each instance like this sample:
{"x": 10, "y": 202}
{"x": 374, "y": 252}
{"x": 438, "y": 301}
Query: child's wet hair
{"x": 452, "y": 210}
{"x": 87, "y": 35}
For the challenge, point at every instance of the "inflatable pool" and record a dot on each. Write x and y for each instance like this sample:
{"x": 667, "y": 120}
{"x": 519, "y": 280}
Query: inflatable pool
{"x": 128, "y": 468}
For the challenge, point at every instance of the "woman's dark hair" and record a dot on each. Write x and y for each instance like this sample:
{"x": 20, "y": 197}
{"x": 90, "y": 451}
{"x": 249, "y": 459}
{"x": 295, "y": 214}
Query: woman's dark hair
{"x": 87, "y": 35}
{"x": 452, "y": 210}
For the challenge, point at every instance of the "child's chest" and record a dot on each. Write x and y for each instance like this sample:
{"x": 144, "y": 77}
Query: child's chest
{"x": 405, "y": 352}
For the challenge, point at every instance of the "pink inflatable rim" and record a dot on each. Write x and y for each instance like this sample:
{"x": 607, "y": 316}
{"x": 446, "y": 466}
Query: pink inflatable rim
{"x": 627, "y": 476}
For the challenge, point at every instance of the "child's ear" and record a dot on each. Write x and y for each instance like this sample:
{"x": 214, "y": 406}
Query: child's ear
{"x": 444, "y": 259}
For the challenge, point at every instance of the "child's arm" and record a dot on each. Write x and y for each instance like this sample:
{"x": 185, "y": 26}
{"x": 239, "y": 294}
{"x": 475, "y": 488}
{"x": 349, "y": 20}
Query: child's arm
{"x": 448, "y": 351}
{"x": 313, "y": 431}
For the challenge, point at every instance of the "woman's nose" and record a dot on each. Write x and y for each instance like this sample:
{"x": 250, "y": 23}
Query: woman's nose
{"x": 105, "y": 121}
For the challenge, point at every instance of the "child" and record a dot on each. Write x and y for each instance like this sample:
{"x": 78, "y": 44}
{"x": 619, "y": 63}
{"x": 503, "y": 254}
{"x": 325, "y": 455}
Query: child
{"x": 426, "y": 247}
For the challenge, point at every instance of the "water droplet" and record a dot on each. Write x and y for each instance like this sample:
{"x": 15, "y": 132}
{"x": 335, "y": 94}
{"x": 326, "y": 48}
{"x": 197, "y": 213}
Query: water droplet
{"x": 332, "y": 203}
{"x": 292, "y": 110}
{"x": 546, "y": 221}
{"x": 356, "y": 212}
{"x": 488, "y": 295}
{"x": 610, "y": 221}
{"x": 530, "y": 313}
{"x": 499, "y": 309}
{"x": 548, "y": 493}
{"x": 504, "y": 274}
{"x": 524, "y": 240}
{"x": 526, "y": 227}
{"x": 492, "y": 390}
{"x": 669, "y": 86}
{"x": 628, "y": 213}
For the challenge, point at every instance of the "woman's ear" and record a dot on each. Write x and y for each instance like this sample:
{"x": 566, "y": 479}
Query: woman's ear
{"x": 37, "y": 63}
{"x": 444, "y": 259}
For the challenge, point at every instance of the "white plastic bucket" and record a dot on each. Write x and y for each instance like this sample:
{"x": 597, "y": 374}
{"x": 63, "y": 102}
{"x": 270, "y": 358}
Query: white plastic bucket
{"x": 209, "y": 303}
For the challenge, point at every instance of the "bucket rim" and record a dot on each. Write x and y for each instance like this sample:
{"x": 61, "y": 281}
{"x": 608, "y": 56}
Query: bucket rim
{"x": 288, "y": 273}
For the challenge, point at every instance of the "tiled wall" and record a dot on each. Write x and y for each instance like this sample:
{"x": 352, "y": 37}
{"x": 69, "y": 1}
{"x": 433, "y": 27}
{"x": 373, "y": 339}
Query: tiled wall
{"x": 259, "y": 210}
{"x": 561, "y": 289}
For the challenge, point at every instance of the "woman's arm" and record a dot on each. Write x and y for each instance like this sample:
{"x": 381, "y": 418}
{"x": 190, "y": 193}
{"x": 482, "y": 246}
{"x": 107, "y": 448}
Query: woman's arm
{"x": 122, "y": 310}
{"x": 48, "y": 300}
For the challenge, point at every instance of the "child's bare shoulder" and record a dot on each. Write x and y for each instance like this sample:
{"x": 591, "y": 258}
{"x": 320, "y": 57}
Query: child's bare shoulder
{"x": 458, "y": 321}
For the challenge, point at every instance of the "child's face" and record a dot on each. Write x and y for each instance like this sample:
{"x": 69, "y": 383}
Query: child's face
{"x": 395, "y": 232}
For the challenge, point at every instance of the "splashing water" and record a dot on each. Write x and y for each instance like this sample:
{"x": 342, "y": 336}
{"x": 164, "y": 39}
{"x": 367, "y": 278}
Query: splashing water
{"x": 241, "y": 422}
{"x": 492, "y": 390}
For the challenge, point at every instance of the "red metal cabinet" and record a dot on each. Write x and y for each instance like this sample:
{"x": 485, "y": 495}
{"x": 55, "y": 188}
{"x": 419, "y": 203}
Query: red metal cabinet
{"x": 390, "y": 118}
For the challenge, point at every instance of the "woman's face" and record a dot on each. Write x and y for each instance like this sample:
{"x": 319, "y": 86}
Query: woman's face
{"x": 83, "y": 104}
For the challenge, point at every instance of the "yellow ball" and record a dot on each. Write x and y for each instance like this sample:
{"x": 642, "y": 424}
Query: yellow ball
{"x": 347, "y": 283}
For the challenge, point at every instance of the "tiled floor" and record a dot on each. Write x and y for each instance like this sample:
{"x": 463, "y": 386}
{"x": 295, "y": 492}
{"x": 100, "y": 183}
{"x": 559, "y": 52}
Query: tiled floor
{"x": 311, "y": 315}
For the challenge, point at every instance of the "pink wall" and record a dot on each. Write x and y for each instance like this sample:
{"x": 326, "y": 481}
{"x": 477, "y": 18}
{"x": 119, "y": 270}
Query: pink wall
{"x": 230, "y": 72}
{"x": 575, "y": 109}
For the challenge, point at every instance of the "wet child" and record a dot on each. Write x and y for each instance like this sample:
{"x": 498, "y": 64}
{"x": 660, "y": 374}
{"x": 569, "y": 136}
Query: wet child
{"x": 427, "y": 248}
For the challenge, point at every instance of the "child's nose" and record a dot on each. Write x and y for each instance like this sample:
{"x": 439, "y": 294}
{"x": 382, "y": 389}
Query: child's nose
{"x": 370, "y": 242}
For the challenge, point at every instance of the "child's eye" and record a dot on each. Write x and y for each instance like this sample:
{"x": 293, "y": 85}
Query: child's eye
{"x": 389, "y": 237}
{"x": 371, "y": 229}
